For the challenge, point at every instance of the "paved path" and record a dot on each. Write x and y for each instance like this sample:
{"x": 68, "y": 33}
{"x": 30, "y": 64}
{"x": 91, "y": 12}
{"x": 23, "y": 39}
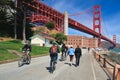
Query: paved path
{"x": 89, "y": 69}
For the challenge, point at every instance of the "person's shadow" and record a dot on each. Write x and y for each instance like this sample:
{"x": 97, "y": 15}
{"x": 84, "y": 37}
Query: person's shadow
{"x": 69, "y": 64}
{"x": 61, "y": 60}
{"x": 49, "y": 69}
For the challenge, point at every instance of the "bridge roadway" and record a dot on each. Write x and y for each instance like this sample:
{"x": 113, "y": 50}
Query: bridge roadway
{"x": 89, "y": 69}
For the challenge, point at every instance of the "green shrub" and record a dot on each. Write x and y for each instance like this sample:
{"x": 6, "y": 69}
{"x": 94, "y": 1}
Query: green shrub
{"x": 115, "y": 57}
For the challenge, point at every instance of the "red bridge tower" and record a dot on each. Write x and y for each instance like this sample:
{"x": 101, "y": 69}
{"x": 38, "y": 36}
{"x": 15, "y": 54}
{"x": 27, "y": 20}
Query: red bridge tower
{"x": 97, "y": 22}
{"x": 114, "y": 39}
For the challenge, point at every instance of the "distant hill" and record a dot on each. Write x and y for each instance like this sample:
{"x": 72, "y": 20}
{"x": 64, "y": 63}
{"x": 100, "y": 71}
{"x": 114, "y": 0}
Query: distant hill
{"x": 118, "y": 45}
{"x": 106, "y": 44}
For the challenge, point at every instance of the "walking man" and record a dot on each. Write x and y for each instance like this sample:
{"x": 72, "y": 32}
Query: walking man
{"x": 64, "y": 50}
{"x": 77, "y": 55}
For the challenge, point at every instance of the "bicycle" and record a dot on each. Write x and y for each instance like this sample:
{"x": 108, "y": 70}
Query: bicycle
{"x": 52, "y": 65}
{"x": 25, "y": 59}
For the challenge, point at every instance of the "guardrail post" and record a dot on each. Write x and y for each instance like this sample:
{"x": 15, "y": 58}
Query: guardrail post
{"x": 118, "y": 74}
{"x": 104, "y": 63}
{"x": 99, "y": 58}
{"x": 114, "y": 73}
{"x": 94, "y": 55}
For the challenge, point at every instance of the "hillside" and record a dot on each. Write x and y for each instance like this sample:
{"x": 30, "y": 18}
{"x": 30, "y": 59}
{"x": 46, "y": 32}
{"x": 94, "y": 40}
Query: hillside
{"x": 17, "y": 45}
{"x": 106, "y": 44}
{"x": 44, "y": 29}
{"x": 5, "y": 38}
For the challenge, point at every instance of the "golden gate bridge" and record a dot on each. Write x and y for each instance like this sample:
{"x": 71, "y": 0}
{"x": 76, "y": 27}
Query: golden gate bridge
{"x": 39, "y": 12}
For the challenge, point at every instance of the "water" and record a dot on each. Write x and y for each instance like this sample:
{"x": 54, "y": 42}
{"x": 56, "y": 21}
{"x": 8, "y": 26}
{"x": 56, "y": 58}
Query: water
{"x": 116, "y": 50}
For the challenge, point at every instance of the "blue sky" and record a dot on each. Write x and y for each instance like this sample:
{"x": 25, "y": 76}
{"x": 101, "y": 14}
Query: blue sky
{"x": 110, "y": 11}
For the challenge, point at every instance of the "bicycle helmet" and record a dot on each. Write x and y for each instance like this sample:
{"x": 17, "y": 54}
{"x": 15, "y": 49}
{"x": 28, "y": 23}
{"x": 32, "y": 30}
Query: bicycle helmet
{"x": 54, "y": 43}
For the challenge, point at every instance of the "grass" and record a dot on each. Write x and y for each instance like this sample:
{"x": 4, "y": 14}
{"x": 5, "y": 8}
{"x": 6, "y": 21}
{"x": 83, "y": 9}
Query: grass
{"x": 16, "y": 45}
{"x": 39, "y": 50}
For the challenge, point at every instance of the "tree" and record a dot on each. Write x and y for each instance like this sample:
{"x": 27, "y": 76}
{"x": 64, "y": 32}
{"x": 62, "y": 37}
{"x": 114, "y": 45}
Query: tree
{"x": 50, "y": 25}
{"x": 22, "y": 9}
{"x": 5, "y": 10}
{"x": 60, "y": 38}
{"x": 6, "y": 17}
{"x": 9, "y": 24}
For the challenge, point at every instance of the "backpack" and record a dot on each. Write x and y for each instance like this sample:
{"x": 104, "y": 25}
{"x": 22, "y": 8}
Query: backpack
{"x": 54, "y": 49}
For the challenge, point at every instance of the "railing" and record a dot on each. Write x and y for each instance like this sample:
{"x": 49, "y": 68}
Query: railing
{"x": 112, "y": 69}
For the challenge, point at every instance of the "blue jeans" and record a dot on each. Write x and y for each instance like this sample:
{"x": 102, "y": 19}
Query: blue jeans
{"x": 54, "y": 57}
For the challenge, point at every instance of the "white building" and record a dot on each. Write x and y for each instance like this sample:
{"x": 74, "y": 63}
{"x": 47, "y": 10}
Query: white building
{"x": 41, "y": 40}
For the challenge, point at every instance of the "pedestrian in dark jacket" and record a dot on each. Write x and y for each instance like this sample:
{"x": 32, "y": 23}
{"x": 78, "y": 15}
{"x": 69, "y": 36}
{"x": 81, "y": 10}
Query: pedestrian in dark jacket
{"x": 64, "y": 50}
{"x": 78, "y": 54}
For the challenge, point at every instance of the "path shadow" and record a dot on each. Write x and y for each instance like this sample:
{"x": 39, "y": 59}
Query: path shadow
{"x": 67, "y": 63}
{"x": 49, "y": 69}
{"x": 74, "y": 65}
{"x": 70, "y": 64}
{"x": 61, "y": 60}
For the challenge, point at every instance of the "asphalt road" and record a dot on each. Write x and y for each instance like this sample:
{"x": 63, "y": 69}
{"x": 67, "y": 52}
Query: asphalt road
{"x": 39, "y": 70}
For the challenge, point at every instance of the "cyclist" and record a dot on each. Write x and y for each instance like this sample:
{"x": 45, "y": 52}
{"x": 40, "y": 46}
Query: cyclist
{"x": 26, "y": 57}
{"x": 27, "y": 47}
{"x": 54, "y": 50}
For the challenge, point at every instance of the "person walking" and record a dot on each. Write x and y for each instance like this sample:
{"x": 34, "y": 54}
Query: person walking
{"x": 78, "y": 54}
{"x": 71, "y": 52}
{"x": 64, "y": 50}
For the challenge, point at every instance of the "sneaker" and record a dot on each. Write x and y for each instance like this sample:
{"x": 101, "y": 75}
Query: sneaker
{"x": 76, "y": 65}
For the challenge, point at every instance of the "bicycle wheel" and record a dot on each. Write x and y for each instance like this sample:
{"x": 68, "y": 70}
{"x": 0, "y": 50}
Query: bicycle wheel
{"x": 20, "y": 62}
{"x": 28, "y": 59}
{"x": 52, "y": 67}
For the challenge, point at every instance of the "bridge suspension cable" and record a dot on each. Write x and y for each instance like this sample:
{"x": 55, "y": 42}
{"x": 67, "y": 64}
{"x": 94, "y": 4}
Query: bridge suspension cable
{"x": 79, "y": 13}
{"x": 104, "y": 28}
{"x": 118, "y": 38}
{"x": 105, "y": 31}
{"x": 88, "y": 13}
